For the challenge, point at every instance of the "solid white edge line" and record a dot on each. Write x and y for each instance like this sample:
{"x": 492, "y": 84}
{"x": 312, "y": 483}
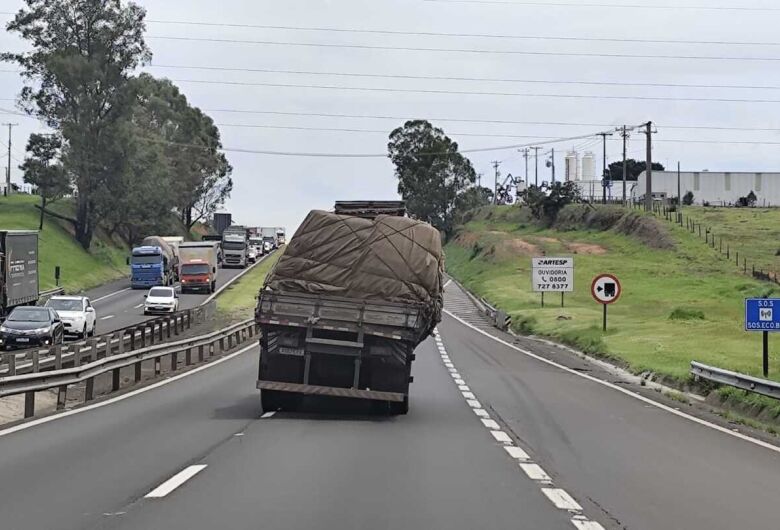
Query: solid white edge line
{"x": 122, "y": 397}
{"x": 639, "y": 397}
{"x": 446, "y": 283}
{"x": 561, "y": 499}
{"x": 175, "y": 481}
{"x": 109, "y": 295}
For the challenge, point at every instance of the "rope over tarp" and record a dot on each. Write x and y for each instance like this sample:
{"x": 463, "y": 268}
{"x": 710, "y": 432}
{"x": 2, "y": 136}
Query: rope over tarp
{"x": 387, "y": 259}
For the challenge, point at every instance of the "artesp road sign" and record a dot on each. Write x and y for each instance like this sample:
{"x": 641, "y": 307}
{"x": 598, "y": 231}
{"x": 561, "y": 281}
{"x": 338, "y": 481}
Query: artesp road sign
{"x": 552, "y": 274}
{"x": 762, "y": 314}
{"x": 605, "y": 288}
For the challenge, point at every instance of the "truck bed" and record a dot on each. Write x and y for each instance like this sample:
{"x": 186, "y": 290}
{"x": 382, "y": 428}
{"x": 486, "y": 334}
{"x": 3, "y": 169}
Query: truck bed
{"x": 389, "y": 320}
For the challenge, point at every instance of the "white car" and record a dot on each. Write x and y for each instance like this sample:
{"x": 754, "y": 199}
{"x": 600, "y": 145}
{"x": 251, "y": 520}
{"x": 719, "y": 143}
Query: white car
{"x": 77, "y": 314}
{"x": 161, "y": 300}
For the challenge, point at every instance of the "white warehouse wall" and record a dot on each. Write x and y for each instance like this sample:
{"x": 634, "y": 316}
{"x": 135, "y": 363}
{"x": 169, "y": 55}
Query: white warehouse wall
{"x": 715, "y": 187}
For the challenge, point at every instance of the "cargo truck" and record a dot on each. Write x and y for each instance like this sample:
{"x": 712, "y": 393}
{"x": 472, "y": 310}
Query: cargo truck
{"x": 234, "y": 247}
{"x": 281, "y": 237}
{"x": 344, "y": 308}
{"x": 268, "y": 234}
{"x": 155, "y": 262}
{"x": 221, "y": 222}
{"x": 198, "y": 266}
{"x": 18, "y": 269}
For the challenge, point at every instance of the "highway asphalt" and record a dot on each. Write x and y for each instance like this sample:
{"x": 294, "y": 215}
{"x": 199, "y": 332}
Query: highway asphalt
{"x": 626, "y": 463}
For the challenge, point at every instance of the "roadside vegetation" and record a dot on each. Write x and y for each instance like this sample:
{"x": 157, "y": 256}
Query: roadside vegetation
{"x": 680, "y": 300}
{"x": 237, "y": 302}
{"x": 80, "y": 269}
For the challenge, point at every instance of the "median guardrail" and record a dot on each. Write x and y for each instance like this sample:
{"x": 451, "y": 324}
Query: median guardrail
{"x": 51, "y": 292}
{"x": 125, "y": 339}
{"x": 94, "y": 362}
{"x": 764, "y": 387}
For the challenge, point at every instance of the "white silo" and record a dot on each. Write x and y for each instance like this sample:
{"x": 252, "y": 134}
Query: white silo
{"x": 572, "y": 166}
{"x": 588, "y": 166}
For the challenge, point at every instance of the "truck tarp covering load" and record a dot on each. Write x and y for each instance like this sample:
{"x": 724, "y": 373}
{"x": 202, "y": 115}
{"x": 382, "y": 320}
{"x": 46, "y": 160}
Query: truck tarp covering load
{"x": 387, "y": 259}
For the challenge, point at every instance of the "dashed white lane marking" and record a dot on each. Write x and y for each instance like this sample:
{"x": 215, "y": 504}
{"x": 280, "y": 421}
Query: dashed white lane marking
{"x": 501, "y": 436}
{"x": 137, "y": 306}
{"x": 613, "y": 386}
{"x": 516, "y": 452}
{"x": 561, "y": 499}
{"x": 110, "y": 295}
{"x": 175, "y": 481}
{"x": 107, "y": 317}
{"x": 491, "y": 424}
{"x": 268, "y": 414}
{"x": 533, "y": 471}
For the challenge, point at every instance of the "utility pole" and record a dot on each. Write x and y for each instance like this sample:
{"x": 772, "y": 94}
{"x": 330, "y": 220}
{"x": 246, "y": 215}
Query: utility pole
{"x": 624, "y": 134}
{"x": 604, "y": 170}
{"x": 552, "y": 160}
{"x": 525, "y": 155}
{"x": 495, "y": 163}
{"x": 649, "y": 167}
{"x": 679, "y": 191}
{"x": 479, "y": 180}
{"x": 536, "y": 164}
{"x": 8, "y": 173}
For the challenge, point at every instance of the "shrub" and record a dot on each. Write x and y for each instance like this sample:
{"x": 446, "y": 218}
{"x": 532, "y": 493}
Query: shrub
{"x": 685, "y": 313}
{"x": 688, "y": 198}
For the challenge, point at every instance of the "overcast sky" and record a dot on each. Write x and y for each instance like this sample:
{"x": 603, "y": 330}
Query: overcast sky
{"x": 279, "y": 190}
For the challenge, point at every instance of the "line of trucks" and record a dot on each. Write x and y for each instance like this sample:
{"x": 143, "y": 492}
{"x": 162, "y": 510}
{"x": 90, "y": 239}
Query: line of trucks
{"x": 18, "y": 269}
{"x": 164, "y": 260}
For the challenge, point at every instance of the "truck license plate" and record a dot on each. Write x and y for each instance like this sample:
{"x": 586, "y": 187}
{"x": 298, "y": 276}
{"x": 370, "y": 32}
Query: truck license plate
{"x": 291, "y": 351}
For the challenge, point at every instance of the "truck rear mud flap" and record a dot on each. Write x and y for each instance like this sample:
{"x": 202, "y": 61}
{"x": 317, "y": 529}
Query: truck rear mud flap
{"x": 331, "y": 391}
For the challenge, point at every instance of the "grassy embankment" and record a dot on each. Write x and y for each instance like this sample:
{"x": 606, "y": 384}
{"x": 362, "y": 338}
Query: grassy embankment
{"x": 753, "y": 232}
{"x": 237, "y": 302}
{"x": 79, "y": 269}
{"x": 680, "y": 301}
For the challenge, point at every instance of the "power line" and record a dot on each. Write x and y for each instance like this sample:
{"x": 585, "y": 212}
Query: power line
{"x": 472, "y": 93}
{"x": 612, "y": 6}
{"x": 457, "y": 35}
{"x": 462, "y": 50}
{"x": 457, "y": 78}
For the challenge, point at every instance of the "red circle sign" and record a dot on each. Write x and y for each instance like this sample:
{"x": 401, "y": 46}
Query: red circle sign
{"x": 606, "y": 288}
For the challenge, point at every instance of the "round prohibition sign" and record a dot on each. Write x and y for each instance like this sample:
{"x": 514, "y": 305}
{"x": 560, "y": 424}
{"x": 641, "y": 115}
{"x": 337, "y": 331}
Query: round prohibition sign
{"x": 606, "y": 288}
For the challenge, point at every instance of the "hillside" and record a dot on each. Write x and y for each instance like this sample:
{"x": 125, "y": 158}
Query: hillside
{"x": 753, "y": 232}
{"x": 681, "y": 300}
{"x": 79, "y": 269}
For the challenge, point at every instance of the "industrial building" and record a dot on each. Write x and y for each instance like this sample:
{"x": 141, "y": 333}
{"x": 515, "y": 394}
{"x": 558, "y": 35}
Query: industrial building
{"x": 715, "y": 188}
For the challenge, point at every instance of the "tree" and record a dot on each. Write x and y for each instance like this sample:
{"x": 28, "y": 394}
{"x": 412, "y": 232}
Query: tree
{"x": 471, "y": 199}
{"x": 634, "y": 168}
{"x": 688, "y": 198}
{"x": 545, "y": 203}
{"x": 76, "y": 72}
{"x": 43, "y": 170}
{"x": 431, "y": 173}
{"x": 199, "y": 173}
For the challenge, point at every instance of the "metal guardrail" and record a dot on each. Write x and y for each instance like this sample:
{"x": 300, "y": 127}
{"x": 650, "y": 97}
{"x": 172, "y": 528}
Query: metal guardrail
{"x": 51, "y": 292}
{"x": 727, "y": 377}
{"x": 125, "y": 339}
{"x": 498, "y": 318}
{"x": 94, "y": 362}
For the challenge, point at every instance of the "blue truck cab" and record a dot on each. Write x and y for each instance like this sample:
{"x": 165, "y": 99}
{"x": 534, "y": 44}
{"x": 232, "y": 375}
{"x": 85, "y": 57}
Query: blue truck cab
{"x": 149, "y": 267}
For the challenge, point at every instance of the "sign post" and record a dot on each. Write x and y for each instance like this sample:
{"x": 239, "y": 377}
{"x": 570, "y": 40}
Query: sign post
{"x": 763, "y": 314}
{"x": 551, "y": 274}
{"x": 605, "y": 289}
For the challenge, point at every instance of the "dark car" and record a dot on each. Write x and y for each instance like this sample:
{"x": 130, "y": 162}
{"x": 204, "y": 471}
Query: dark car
{"x": 31, "y": 326}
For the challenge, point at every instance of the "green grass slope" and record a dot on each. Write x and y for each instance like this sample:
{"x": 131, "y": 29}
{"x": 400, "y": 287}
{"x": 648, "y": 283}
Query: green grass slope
{"x": 680, "y": 302}
{"x": 79, "y": 269}
{"x": 239, "y": 299}
{"x": 753, "y": 232}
